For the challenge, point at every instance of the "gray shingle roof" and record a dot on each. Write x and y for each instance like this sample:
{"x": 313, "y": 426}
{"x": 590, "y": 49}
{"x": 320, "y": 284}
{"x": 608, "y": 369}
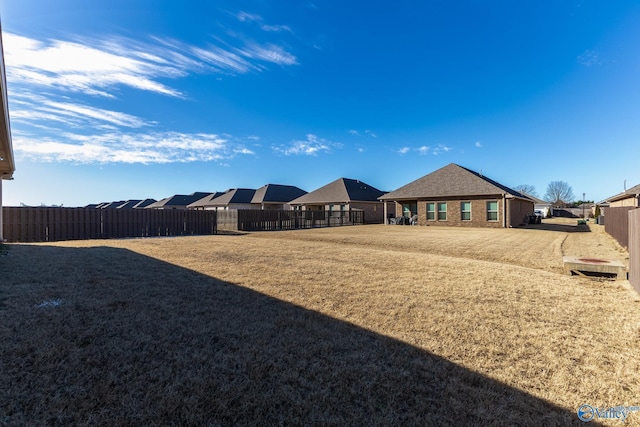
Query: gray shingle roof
{"x": 451, "y": 181}
{"x": 275, "y": 193}
{"x": 342, "y": 190}
{"x": 144, "y": 203}
{"x": 235, "y": 196}
{"x": 179, "y": 200}
{"x": 631, "y": 192}
{"x": 536, "y": 200}
{"x": 205, "y": 200}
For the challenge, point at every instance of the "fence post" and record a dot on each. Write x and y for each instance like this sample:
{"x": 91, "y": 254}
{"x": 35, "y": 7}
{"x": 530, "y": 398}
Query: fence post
{"x": 634, "y": 249}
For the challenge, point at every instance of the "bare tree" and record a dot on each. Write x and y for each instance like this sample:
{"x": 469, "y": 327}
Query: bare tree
{"x": 526, "y": 189}
{"x": 559, "y": 193}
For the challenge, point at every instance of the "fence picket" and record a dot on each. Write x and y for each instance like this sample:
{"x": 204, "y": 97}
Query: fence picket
{"x": 634, "y": 249}
{"x": 40, "y": 224}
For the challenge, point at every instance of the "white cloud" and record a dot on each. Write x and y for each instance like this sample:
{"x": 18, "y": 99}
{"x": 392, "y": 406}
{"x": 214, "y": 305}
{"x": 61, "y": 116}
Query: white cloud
{"x": 243, "y": 150}
{"x": 589, "y": 58}
{"x": 312, "y": 146}
{"x": 81, "y": 67}
{"x": 250, "y": 17}
{"x": 424, "y": 150}
{"x": 440, "y": 148}
{"x": 367, "y": 132}
{"x": 99, "y": 66}
{"x": 167, "y": 147}
{"x": 478, "y": 144}
{"x": 276, "y": 28}
{"x": 37, "y": 110}
{"x": 268, "y": 53}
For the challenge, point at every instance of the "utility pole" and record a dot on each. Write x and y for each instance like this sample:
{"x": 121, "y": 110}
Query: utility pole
{"x": 583, "y": 217}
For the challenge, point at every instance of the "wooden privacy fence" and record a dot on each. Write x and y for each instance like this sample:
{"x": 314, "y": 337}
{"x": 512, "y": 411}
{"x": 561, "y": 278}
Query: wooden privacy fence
{"x": 51, "y": 224}
{"x": 271, "y": 220}
{"x": 634, "y": 249}
{"x": 616, "y": 224}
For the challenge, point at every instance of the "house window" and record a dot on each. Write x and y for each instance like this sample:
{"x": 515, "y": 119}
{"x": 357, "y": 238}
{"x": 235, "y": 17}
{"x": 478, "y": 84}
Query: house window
{"x": 465, "y": 211}
{"x": 409, "y": 209}
{"x": 431, "y": 211}
{"x": 492, "y": 211}
{"x": 442, "y": 211}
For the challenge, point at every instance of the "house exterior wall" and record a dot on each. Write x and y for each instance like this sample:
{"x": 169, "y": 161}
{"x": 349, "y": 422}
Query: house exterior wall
{"x": 519, "y": 211}
{"x": 454, "y": 212}
{"x": 233, "y": 206}
{"x": 630, "y": 201}
{"x": 373, "y": 211}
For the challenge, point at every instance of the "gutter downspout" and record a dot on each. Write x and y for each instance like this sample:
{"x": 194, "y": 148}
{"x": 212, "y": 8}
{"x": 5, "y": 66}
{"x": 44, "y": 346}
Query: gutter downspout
{"x": 504, "y": 210}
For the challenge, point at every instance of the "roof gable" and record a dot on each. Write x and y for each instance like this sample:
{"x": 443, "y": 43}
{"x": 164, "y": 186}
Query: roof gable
{"x": 536, "y": 200}
{"x": 632, "y": 192}
{"x": 179, "y": 200}
{"x": 451, "y": 181}
{"x": 275, "y": 193}
{"x": 205, "y": 200}
{"x": 235, "y": 195}
{"x": 342, "y": 190}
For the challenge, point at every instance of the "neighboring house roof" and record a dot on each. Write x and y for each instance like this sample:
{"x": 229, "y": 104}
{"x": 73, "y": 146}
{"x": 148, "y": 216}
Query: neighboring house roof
{"x": 275, "y": 193}
{"x": 113, "y": 205}
{"x": 178, "y": 200}
{"x": 628, "y": 194}
{"x": 342, "y": 190}
{"x": 233, "y": 196}
{"x": 143, "y": 203}
{"x": 537, "y": 201}
{"x": 7, "y": 161}
{"x": 205, "y": 200}
{"x": 451, "y": 181}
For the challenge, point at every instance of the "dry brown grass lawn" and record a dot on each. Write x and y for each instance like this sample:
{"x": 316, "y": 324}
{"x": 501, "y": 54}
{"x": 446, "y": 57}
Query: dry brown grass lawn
{"x": 354, "y": 325}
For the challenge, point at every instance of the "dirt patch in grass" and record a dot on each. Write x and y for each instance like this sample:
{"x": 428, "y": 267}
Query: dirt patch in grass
{"x": 354, "y": 325}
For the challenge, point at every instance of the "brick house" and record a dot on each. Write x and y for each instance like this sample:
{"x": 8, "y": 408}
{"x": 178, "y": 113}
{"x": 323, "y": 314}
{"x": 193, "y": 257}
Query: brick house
{"x": 235, "y": 198}
{"x": 457, "y": 196}
{"x": 343, "y": 195}
{"x": 276, "y": 196}
{"x": 628, "y": 198}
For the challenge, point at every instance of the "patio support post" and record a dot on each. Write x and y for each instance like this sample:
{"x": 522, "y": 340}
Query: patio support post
{"x": 386, "y": 221}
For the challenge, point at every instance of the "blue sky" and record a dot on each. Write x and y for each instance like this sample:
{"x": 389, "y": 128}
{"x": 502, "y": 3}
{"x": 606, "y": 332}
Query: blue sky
{"x": 130, "y": 99}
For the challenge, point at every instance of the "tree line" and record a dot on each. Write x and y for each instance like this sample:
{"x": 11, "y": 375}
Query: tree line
{"x": 559, "y": 193}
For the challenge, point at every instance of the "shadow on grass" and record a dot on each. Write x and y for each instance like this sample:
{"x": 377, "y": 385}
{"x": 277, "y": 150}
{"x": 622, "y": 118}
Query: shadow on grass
{"x": 110, "y": 337}
{"x": 565, "y": 228}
